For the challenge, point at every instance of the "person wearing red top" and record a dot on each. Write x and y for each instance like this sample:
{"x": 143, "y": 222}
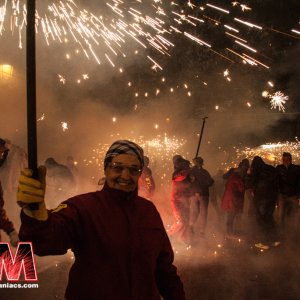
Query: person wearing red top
{"x": 121, "y": 248}
{"x": 233, "y": 199}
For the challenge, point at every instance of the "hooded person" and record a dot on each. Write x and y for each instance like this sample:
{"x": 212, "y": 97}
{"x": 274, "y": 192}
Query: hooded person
{"x": 121, "y": 248}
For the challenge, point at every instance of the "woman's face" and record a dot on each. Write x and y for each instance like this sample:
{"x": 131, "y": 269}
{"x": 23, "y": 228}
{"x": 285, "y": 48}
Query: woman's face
{"x": 123, "y": 172}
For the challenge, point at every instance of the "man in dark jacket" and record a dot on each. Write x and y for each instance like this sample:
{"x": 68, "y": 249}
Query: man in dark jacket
{"x": 289, "y": 191}
{"x": 265, "y": 192}
{"x": 122, "y": 251}
{"x": 200, "y": 193}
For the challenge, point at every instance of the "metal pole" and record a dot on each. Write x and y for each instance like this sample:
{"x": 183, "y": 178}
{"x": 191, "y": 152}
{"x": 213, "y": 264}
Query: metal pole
{"x": 200, "y": 137}
{"x": 31, "y": 92}
{"x": 31, "y": 86}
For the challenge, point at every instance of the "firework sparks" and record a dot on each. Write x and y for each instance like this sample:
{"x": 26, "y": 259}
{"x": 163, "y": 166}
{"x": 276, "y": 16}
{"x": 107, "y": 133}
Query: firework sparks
{"x": 272, "y": 152}
{"x": 278, "y": 100}
{"x": 64, "y": 22}
{"x": 42, "y": 118}
{"x": 64, "y": 126}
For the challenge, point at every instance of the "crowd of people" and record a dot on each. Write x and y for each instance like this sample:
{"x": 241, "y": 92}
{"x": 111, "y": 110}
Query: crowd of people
{"x": 268, "y": 188}
{"x": 110, "y": 227}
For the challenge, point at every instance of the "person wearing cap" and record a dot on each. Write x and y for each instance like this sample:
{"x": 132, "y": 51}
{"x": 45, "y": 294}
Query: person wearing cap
{"x": 5, "y": 223}
{"x": 121, "y": 248}
{"x": 200, "y": 194}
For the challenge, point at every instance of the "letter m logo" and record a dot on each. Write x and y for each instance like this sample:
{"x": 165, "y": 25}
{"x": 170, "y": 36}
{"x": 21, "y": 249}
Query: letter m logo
{"x": 23, "y": 260}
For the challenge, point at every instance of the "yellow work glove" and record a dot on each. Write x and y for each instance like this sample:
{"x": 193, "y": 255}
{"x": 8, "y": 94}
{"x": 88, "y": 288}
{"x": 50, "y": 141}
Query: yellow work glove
{"x": 32, "y": 192}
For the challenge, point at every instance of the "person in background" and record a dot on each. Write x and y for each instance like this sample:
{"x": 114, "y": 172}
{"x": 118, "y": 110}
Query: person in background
{"x": 120, "y": 245}
{"x": 180, "y": 200}
{"x": 201, "y": 182}
{"x": 244, "y": 163}
{"x": 289, "y": 193}
{"x": 233, "y": 199}
{"x": 15, "y": 161}
{"x": 146, "y": 182}
{"x": 216, "y": 192}
{"x": 265, "y": 192}
{"x": 5, "y": 223}
{"x": 61, "y": 183}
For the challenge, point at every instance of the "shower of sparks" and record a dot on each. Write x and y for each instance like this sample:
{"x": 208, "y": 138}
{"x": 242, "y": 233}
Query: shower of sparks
{"x": 159, "y": 149}
{"x": 278, "y": 100}
{"x": 155, "y": 25}
{"x": 271, "y": 153}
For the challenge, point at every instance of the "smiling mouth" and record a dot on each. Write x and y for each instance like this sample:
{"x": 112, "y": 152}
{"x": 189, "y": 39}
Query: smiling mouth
{"x": 124, "y": 183}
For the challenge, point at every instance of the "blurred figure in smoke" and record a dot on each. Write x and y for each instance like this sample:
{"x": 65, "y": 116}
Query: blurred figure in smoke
{"x": 146, "y": 181}
{"x": 15, "y": 161}
{"x": 121, "y": 248}
{"x": 245, "y": 163}
{"x": 248, "y": 197}
{"x": 199, "y": 194}
{"x": 289, "y": 192}
{"x": 5, "y": 223}
{"x": 216, "y": 193}
{"x": 265, "y": 191}
{"x": 233, "y": 198}
{"x": 60, "y": 182}
{"x": 71, "y": 164}
{"x": 180, "y": 199}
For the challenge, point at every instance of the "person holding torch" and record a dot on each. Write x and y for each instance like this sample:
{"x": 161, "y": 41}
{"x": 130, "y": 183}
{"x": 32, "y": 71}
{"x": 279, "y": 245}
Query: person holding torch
{"x": 120, "y": 245}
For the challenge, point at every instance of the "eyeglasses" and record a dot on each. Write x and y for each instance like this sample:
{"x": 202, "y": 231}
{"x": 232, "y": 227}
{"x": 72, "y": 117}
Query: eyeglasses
{"x": 118, "y": 168}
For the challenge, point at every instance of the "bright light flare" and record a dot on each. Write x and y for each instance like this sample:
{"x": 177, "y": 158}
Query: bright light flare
{"x": 278, "y": 100}
{"x": 64, "y": 126}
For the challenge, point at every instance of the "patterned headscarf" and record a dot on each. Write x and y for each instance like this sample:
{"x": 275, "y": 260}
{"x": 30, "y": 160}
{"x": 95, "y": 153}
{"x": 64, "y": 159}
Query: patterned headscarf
{"x": 124, "y": 147}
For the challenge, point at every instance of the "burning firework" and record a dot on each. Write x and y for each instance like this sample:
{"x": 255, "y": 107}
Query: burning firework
{"x": 278, "y": 99}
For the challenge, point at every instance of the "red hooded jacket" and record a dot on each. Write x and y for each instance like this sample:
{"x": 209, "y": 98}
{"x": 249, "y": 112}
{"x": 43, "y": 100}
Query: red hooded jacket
{"x": 233, "y": 198}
